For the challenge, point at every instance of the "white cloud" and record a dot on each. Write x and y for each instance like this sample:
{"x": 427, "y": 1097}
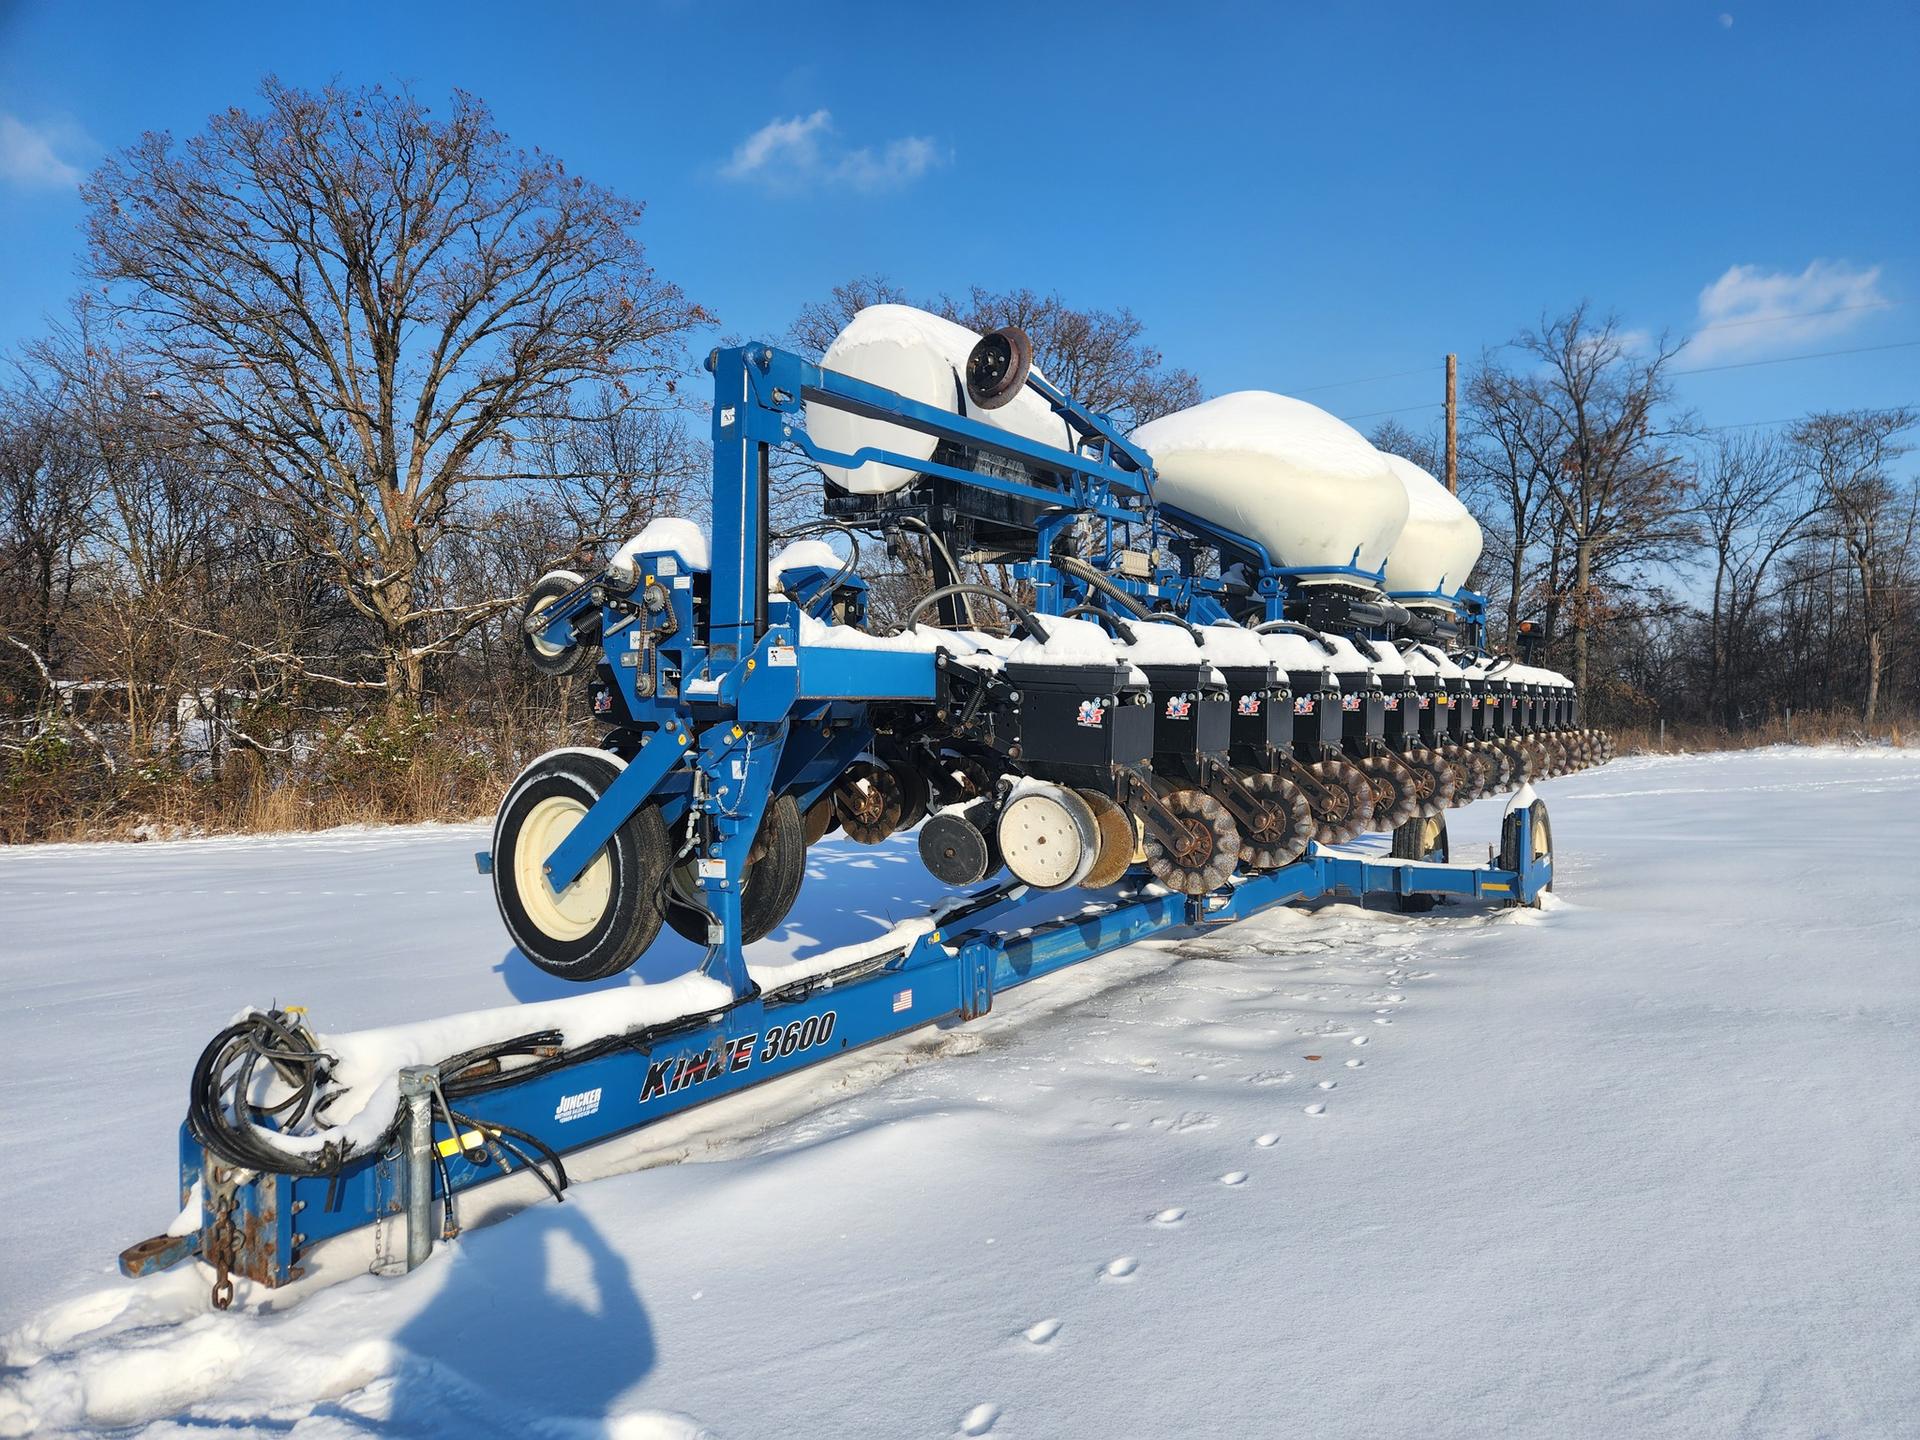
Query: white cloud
{"x": 1748, "y": 309}
{"x": 30, "y": 154}
{"x": 790, "y": 154}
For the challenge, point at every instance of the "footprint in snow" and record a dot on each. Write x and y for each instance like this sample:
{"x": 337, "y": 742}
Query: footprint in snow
{"x": 1358, "y": 1040}
{"x": 1041, "y": 1332}
{"x": 1355, "y": 1064}
{"x": 1234, "y": 1177}
{"x": 1173, "y": 1215}
{"x": 1328, "y": 1084}
{"x": 1267, "y": 1141}
{"x": 1120, "y": 1268}
{"x": 979, "y": 1420}
{"x": 1316, "y": 1109}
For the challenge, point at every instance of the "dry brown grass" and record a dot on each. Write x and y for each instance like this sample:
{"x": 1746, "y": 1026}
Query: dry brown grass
{"x": 1809, "y": 728}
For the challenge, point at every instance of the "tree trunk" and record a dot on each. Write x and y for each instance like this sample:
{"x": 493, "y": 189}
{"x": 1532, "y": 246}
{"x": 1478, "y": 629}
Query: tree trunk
{"x": 1582, "y": 617}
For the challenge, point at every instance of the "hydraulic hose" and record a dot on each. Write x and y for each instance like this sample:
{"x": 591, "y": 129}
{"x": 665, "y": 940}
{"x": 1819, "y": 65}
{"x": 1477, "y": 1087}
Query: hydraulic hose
{"x": 1294, "y": 627}
{"x": 1026, "y": 616}
{"x": 1080, "y": 570}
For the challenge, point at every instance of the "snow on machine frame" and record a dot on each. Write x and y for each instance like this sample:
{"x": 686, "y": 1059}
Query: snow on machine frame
{"x": 1124, "y": 732}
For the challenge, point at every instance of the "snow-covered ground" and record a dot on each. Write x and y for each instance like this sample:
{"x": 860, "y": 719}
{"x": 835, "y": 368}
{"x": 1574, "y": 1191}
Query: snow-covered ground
{"x": 1643, "y": 1163}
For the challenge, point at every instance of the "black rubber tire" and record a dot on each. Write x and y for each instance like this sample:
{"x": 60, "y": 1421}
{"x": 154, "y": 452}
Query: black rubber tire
{"x": 772, "y": 883}
{"x": 638, "y": 854}
{"x": 1422, "y": 838}
{"x": 1542, "y": 840}
{"x": 548, "y": 588}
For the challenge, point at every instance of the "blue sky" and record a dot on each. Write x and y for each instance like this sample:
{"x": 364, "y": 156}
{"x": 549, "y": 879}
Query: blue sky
{"x": 1292, "y": 197}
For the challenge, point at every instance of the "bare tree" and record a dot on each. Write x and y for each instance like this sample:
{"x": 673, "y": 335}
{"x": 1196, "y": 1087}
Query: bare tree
{"x": 1512, "y": 444}
{"x": 365, "y": 308}
{"x": 1869, "y": 513}
{"x": 1753, "y": 507}
{"x": 1618, "y": 489}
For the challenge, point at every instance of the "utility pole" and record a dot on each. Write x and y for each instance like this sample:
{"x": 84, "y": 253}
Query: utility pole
{"x": 1453, "y": 449}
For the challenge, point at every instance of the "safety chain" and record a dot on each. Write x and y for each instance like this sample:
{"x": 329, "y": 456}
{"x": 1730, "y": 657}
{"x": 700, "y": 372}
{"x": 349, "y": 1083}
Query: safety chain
{"x": 220, "y": 1240}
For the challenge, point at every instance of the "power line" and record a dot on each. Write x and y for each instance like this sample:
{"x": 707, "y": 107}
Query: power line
{"x": 1783, "y": 359}
{"x": 1717, "y": 325}
{"x": 1698, "y": 370}
{"x": 1799, "y": 315}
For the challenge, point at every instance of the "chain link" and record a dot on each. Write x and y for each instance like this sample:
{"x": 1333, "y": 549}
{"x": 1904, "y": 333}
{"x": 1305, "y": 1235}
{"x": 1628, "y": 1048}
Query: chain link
{"x": 220, "y": 1243}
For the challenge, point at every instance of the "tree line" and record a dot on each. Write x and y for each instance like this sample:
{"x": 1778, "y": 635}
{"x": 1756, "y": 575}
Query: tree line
{"x": 347, "y": 374}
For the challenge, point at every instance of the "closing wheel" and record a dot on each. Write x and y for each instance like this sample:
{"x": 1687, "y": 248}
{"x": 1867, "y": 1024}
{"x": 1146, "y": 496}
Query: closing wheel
{"x": 1281, "y": 837}
{"x": 1541, "y": 846}
{"x": 869, "y": 802}
{"x": 1519, "y": 764}
{"x": 1201, "y": 858}
{"x": 1117, "y": 840}
{"x": 1454, "y": 756}
{"x": 1494, "y": 759}
{"x": 1345, "y": 809}
{"x": 1394, "y": 799}
{"x": 1048, "y": 837}
{"x": 606, "y": 918}
{"x": 1422, "y": 838}
{"x": 546, "y": 656}
{"x": 776, "y": 865}
{"x": 997, "y": 366}
{"x": 1433, "y": 781}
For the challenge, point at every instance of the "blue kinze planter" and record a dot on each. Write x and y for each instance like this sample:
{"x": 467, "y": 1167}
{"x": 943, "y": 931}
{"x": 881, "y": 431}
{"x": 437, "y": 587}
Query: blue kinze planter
{"x": 1173, "y": 723}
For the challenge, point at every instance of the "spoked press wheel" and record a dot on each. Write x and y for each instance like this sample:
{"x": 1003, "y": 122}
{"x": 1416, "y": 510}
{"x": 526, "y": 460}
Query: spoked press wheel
{"x": 776, "y": 865}
{"x": 1202, "y": 856}
{"x": 1346, "y": 809}
{"x": 1281, "y": 838}
{"x": 1395, "y": 799}
{"x": 604, "y": 920}
{"x": 1433, "y": 781}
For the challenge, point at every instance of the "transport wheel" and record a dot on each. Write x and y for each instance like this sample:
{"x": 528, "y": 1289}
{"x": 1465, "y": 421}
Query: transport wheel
{"x": 1282, "y": 838}
{"x": 1422, "y": 838}
{"x": 1395, "y": 801}
{"x": 1117, "y": 839}
{"x": 1048, "y": 837}
{"x": 776, "y": 865}
{"x": 607, "y": 918}
{"x": 869, "y": 802}
{"x": 1433, "y": 781}
{"x": 546, "y": 657}
{"x": 1203, "y": 857}
{"x": 997, "y": 366}
{"x": 1542, "y": 846}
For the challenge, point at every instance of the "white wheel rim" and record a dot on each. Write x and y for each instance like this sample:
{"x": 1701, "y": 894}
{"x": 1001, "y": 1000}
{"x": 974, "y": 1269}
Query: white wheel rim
{"x": 1040, "y": 842}
{"x": 545, "y": 647}
{"x": 574, "y": 912}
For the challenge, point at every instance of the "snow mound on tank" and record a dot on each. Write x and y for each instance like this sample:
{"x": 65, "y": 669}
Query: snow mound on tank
{"x": 1303, "y": 484}
{"x": 921, "y": 356}
{"x": 1437, "y": 549}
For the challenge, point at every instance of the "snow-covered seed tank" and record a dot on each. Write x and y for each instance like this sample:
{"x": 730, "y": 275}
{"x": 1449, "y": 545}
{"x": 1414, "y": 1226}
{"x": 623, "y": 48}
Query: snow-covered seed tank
{"x": 1303, "y": 484}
